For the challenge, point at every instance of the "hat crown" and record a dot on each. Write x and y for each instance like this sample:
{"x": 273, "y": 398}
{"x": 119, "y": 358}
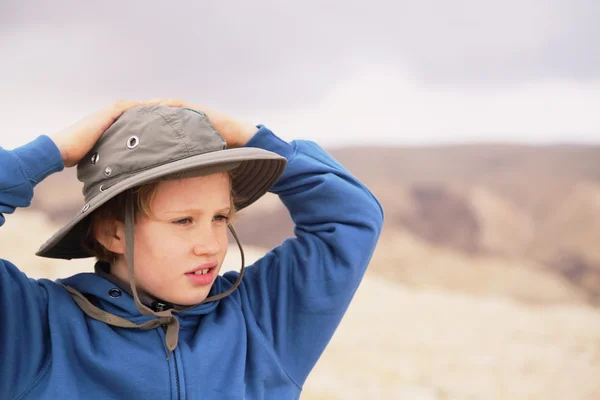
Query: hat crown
{"x": 143, "y": 138}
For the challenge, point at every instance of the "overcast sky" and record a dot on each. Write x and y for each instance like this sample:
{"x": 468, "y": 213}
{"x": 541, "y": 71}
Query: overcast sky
{"x": 338, "y": 72}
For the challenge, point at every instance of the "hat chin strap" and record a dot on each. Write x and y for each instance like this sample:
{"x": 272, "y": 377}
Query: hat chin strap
{"x": 165, "y": 318}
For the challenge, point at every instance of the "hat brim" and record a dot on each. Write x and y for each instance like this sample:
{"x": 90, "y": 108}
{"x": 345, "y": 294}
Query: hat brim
{"x": 255, "y": 171}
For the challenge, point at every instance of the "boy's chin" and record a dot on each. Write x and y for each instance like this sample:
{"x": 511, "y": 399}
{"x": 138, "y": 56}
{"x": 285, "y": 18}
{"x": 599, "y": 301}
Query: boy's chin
{"x": 190, "y": 300}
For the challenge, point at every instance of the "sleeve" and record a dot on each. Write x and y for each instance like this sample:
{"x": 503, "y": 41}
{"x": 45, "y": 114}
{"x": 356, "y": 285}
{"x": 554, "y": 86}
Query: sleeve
{"x": 24, "y": 329}
{"x": 300, "y": 291}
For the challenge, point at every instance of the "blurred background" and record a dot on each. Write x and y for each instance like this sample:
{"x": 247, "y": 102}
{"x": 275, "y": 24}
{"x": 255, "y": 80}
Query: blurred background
{"x": 475, "y": 123}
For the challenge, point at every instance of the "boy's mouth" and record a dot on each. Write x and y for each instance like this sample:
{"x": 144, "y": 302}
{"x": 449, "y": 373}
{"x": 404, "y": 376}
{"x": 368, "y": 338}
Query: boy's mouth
{"x": 202, "y": 274}
{"x": 203, "y": 267}
{"x": 202, "y": 271}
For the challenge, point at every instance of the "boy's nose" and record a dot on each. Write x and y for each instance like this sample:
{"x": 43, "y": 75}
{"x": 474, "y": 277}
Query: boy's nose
{"x": 207, "y": 244}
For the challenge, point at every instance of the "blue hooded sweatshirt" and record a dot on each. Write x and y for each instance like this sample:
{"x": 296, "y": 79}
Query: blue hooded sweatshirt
{"x": 260, "y": 342}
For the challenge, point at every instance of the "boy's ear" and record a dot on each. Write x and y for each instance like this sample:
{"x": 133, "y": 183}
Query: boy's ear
{"x": 111, "y": 235}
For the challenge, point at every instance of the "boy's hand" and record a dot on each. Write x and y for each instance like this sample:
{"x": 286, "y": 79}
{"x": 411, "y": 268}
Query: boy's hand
{"x": 77, "y": 140}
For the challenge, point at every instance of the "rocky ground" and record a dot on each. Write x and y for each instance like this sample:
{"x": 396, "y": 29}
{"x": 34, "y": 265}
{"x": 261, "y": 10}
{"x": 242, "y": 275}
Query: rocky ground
{"x": 398, "y": 342}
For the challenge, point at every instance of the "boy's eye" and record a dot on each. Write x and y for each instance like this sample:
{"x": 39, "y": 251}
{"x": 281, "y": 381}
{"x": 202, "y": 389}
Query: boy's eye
{"x": 183, "y": 221}
{"x": 221, "y": 218}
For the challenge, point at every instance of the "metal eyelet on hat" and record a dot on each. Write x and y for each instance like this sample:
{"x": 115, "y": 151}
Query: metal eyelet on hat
{"x": 107, "y": 171}
{"x": 102, "y": 188}
{"x": 133, "y": 142}
{"x": 85, "y": 208}
{"x": 95, "y": 158}
{"x": 115, "y": 293}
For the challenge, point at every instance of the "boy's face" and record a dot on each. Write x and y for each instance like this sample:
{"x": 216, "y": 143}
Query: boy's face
{"x": 186, "y": 231}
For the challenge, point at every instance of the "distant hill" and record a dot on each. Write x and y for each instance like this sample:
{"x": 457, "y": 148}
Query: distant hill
{"x": 521, "y": 221}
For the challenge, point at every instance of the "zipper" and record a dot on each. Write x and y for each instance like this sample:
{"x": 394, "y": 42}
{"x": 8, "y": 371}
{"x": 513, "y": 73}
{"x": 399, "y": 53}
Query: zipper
{"x": 176, "y": 374}
{"x": 176, "y": 368}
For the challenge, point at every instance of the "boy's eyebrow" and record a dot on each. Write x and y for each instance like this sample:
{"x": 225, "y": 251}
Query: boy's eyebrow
{"x": 197, "y": 211}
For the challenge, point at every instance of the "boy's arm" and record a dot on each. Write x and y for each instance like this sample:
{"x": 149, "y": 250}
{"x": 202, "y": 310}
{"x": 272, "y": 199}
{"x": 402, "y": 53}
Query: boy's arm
{"x": 24, "y": 343}
{"x": 300, "y": 291}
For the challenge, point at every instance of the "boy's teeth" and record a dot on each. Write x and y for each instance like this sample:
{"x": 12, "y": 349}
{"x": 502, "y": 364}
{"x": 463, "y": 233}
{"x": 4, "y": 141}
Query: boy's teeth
{"x": 201, "y": 272}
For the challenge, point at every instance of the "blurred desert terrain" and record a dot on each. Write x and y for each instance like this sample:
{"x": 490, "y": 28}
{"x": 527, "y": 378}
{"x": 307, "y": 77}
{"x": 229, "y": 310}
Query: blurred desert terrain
{"x": 485, "y": 284}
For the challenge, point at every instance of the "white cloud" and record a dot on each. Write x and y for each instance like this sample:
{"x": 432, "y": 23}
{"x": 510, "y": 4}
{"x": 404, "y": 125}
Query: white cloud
{"x": 380, "y": 104}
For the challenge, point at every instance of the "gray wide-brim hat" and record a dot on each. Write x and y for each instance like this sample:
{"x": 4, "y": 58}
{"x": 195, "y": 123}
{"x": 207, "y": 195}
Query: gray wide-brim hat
{"x": 150, "y": 142}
